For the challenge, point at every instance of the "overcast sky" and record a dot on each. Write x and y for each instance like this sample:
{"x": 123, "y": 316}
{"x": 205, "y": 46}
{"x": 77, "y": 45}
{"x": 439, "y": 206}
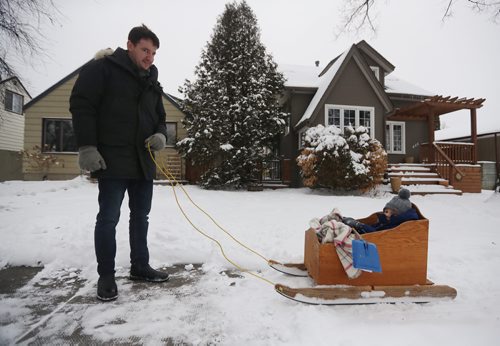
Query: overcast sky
{"x": 459, "y": 57}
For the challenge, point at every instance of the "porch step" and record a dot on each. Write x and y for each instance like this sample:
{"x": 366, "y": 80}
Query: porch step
{"x": 421, "y": 179}
{"x": 410, "y": 167}
{"x": 271, "y": 184}
{"x": 412, "y": 180}
{"x": 424, "y": 189}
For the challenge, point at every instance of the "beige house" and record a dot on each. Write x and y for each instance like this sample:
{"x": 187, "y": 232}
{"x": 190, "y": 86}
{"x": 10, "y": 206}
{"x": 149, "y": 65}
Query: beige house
{"x": 13, "y": 96}
{"x": 48, "y": 126}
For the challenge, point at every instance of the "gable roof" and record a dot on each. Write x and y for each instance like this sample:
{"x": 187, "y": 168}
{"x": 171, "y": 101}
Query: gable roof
{"x": 174, "y": 100}
{"x": 332, "y": 73}
{"x": 50, "y": 89}
{"x": 15, "y": 79}
{"x": 376, "y": 56}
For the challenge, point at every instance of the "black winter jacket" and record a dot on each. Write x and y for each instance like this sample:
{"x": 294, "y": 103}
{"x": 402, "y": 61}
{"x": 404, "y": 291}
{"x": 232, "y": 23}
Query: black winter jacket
{"x": 115, "y": 109}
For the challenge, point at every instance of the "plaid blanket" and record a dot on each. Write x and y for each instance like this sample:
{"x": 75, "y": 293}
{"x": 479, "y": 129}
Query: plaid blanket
{"x": 330, "y": 229}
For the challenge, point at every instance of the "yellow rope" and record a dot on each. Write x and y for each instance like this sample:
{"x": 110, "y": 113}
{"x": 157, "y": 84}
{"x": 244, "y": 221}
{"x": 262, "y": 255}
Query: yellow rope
{"x": 171, "y": 177}
{"x": 173, "y": 183}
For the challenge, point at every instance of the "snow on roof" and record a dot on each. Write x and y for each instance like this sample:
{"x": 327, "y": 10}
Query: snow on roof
{"x": 395, "y": 85}
{"x": 301, "y": 76}
{"x": 324, "y": 82}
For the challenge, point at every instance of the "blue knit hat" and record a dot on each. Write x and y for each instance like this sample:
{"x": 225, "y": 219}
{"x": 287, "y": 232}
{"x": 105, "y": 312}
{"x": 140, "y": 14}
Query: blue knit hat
{"x": 401, "y": 203}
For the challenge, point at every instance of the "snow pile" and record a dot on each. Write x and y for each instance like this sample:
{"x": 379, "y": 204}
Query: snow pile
{"x": 51, "y": 224}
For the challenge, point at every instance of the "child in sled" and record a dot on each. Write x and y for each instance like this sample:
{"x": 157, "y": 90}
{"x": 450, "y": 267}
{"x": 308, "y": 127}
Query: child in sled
{"x": 398, "y": 210}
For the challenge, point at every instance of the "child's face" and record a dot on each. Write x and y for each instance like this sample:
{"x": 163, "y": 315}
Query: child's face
{"x": 388, "y": 213}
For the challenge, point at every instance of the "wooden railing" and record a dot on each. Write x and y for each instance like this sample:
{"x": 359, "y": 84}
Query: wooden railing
{"x": 459, "y": 153}
{"x": 446, "y": 156}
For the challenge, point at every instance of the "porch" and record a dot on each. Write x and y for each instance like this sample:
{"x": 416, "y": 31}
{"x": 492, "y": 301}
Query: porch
{"x": 454, "y": 162}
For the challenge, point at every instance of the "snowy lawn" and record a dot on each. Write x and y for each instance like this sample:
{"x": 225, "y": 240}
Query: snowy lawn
{"x": 51, "y": 224}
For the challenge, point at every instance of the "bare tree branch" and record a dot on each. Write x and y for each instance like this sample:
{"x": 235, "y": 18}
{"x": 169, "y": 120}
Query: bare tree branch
{"x": 358, "y": 14}
{"x": 20, "y": 23}
{"x": 447, "y": 13}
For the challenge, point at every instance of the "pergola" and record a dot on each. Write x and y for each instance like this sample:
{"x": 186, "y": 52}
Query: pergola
{"x": 430, "y": 108}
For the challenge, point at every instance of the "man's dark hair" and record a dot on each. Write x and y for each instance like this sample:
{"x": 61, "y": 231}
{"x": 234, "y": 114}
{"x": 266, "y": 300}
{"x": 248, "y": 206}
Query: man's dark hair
{"x": 139, "y": 32}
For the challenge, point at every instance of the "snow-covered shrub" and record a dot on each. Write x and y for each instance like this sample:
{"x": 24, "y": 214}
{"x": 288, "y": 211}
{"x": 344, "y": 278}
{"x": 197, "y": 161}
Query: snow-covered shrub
{"x": 347, "y": 161}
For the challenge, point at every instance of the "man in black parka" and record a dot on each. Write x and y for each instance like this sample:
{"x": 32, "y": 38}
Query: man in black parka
{"x": 117, "y": 110}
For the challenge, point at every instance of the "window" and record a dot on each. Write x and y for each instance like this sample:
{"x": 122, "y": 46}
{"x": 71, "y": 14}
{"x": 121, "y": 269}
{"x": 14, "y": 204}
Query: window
{"x": 171, "y": 134}
{"x": 354, "y": 116}
{"x": 376, "y": 72}
{"x": 302, "y": 136}
{"x": 395, "y": 137}
{"x": 58, "y": 136}
{"x": 13, "y": 102}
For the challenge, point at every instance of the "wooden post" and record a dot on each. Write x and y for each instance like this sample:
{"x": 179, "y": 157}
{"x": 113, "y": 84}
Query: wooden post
{"x": 430, "y": 124}
{"x": 497, "y": 159}
{"x": 473, "y": 135}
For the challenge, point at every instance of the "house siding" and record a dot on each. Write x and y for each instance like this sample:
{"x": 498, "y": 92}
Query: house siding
{"x": 486, "y": 148}
{"x": 414, "y": 132}
{"x": 170, "y": 156}
{"x": 11, "y": 132}
{"x": 11, "y": 124}
{"x": 55, "y": 105}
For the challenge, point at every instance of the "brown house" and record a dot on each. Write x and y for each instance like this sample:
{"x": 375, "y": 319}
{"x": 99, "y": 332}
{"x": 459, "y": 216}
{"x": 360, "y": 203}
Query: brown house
{"x": 357, "y": 88}
{"x": 48, "y": 126}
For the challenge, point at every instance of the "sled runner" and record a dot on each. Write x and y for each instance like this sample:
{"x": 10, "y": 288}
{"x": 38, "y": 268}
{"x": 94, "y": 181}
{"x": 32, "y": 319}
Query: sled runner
{"x": 403, "y": 256}
{"x": 294, "y": 269}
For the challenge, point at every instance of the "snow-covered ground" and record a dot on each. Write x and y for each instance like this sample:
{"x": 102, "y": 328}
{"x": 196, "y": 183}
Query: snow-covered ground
{"x": 51, "y": 223}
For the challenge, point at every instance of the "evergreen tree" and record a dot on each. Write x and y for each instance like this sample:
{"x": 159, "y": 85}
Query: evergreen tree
{"x": 232, "y": 107}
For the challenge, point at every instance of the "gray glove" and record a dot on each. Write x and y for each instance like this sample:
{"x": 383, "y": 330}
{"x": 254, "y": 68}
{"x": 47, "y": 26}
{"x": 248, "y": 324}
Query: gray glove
{"x": 349, "y": 221}
{"x": 89, "y": 159}
{"x": 158, "y": 141}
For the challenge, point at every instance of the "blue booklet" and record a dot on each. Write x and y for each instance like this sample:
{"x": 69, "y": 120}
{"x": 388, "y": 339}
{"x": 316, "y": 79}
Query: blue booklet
{"x": 365, "y": 256}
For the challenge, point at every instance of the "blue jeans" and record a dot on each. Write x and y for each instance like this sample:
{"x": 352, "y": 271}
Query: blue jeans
{"x": 111, "y": 193}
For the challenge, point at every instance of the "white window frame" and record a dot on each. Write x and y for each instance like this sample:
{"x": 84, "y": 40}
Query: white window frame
{"x": 376, "y": 71}
{"x": 356, "y": 109}
{"x": 390, "y": 145}
{"x": 14, "y": 102}
{"x": 301, "y": 136}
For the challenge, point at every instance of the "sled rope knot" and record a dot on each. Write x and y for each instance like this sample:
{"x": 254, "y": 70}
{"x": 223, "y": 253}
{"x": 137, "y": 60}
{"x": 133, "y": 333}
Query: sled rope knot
{"x": 173, "y": 183}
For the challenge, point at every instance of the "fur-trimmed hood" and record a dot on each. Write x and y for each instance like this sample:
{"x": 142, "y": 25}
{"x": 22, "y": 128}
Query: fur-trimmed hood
{"x": 103, "y": 53}
{"x": 120, "y": 57}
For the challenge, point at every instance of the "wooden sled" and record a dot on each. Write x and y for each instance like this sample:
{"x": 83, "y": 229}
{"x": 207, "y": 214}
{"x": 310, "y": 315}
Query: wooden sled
{"x": 403, "y": 255}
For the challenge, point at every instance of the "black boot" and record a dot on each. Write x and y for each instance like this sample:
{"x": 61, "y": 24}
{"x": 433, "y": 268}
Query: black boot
{"x": 146, "y": 273}
{"x": 106, "y": 288}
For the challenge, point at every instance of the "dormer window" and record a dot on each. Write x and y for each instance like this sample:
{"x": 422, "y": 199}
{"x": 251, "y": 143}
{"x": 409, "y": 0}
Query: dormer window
{"x": 376, "y": 72}
{"x": 13, "y": 102}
